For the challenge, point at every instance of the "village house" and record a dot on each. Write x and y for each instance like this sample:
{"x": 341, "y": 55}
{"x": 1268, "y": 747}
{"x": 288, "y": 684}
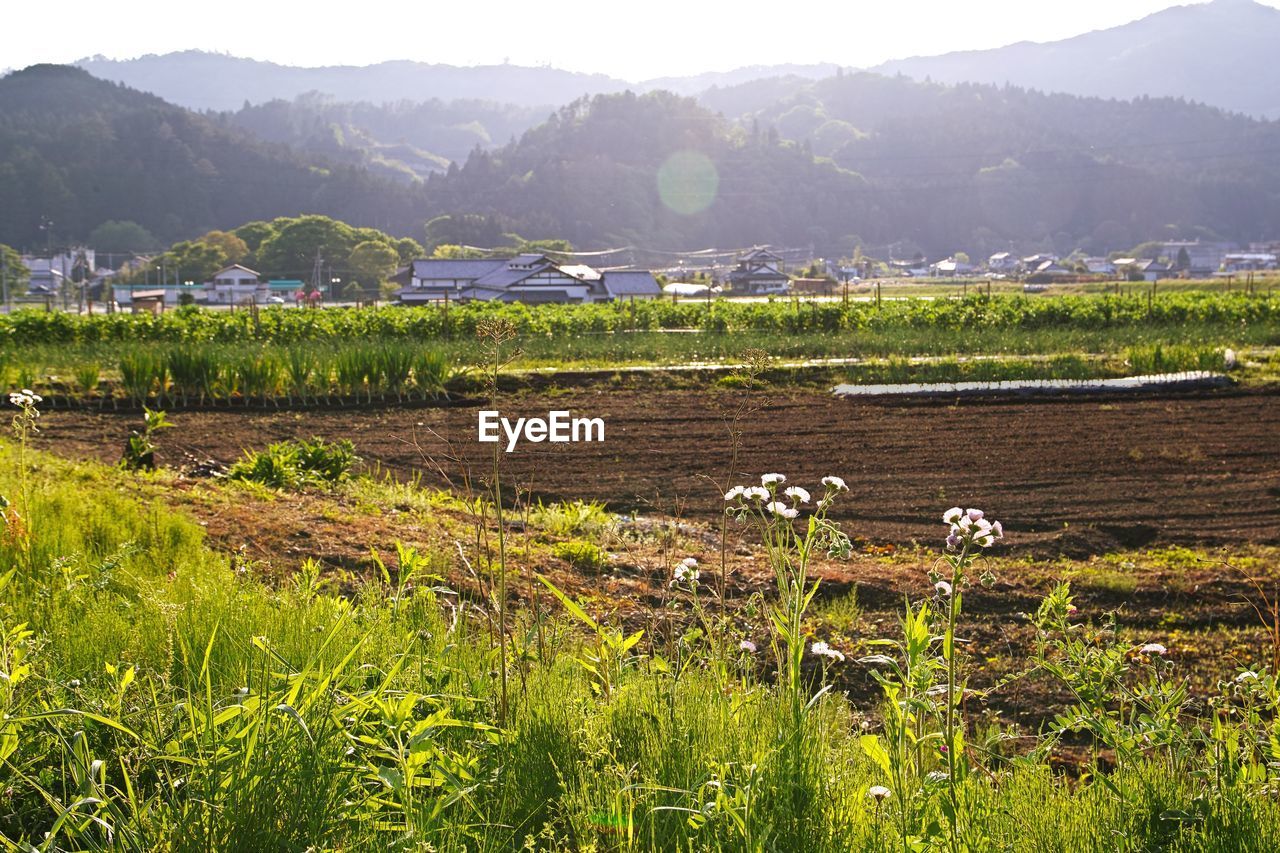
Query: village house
{"x": 1196, "y": 257}
{"x": 915, "y": 268}
{"x": 528, "y": 278}
{"x": 951, "y": 268}
{"x": 1002, "y": 262}
{"x": 1148, "y": 270}
{"x": 235, "y": 285}
{"x": 1234, "y": 262}
{"x": 1099, "y": 266}
{"x": 759, "y": 272}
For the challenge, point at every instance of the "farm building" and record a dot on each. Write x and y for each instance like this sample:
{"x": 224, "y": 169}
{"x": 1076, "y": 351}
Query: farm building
{"x": 759, "y": 272}
{"x": 524, "y": 278}
{"x": 951, "y": 267}
{"x": 1248, "y": 261}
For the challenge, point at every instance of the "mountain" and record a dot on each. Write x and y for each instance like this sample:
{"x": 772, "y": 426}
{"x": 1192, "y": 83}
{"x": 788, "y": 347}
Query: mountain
{"x": 655, "y": 170}
{"x": 883, "y": 162}
{"x": 404, "y": 141}
{"x": 695, "y": 84}
{"x": 985, "y": 168}
{"x": 1220, "y": 53}
{"x": 78, "y": 151}
{"x": 214, "y": 81}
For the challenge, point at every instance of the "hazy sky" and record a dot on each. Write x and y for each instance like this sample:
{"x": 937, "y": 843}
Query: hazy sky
{"x": 635, "y": 40}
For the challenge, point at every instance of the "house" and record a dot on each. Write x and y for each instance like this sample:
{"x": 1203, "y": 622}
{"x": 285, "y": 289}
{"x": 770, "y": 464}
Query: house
{"x": 1004, "y": 262}
{"x": 529, "y": 278}
{"x": 1248, "y": 261}
{"x": 149, "y": 301}
{"x": 234, "y": 285}
{"x": 916, "y": 268}
{"x": 759, "y": 272}
{"x": 1099, "y": 266}
{"x": 950, "y": 268}
{"x": 631, "y": 284}
{"x": 1195, "y": 256}
{"x": 1031, "y": 262}
{"x": 1051, "y": 269}
{"x": 1149, "y": 270}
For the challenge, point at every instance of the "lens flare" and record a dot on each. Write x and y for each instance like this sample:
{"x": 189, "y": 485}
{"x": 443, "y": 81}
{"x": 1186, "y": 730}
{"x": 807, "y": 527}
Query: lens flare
{"x": 687, "y": 182}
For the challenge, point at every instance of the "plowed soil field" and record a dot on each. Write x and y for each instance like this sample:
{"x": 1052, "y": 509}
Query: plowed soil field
{"x": 1073, "y": 476}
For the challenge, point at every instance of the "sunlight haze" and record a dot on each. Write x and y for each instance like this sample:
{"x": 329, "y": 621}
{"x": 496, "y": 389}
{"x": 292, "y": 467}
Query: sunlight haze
{"x": 633, "y": 42}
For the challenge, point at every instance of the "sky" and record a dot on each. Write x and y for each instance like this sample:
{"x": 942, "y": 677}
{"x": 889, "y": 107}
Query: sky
{"x": 634, "y": 41}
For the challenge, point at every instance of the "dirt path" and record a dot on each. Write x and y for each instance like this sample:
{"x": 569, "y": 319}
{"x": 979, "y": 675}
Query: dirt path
{"x": 1073, "y": 476}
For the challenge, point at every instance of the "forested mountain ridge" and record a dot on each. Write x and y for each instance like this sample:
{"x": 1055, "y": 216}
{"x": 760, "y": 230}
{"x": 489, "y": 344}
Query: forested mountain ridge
{"x": 934, "y": 168}
{"x": 856, "y": 159}
{"x": 406, "y": 140}
{"x": 76, "y": 152}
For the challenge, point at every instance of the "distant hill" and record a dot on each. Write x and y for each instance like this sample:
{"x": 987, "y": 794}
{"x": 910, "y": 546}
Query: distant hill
{"x": 1221, "y": 53}
{"x": 403, "y": 141}
{"x": 214, "y": 81}
{"x": 695, "y": 84}
{"x": 985, "y": 168}
{"x": 79, "y": 151}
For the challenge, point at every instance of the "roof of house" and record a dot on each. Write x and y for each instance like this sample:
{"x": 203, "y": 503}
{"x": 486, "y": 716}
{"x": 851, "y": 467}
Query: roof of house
{"x": 582, "y": 272}
{"x": 240, "y": 267}
{"x": 760, "y": 253}
{"x": 1000, "y": 256}
{"x": 631, "y": 283}
{"x": 455, "y": 268}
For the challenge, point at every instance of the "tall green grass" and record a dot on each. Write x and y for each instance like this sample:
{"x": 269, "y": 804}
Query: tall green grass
{"x": 157, "y": 696}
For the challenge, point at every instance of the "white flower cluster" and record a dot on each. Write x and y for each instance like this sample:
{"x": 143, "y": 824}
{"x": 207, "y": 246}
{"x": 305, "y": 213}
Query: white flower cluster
{"x": 969, "y": 527}
{"x": 786, "y": 504}
{"x": 25, "y": 399}
{"x": 686, "y": 571}
{"x": 821, "y": 649}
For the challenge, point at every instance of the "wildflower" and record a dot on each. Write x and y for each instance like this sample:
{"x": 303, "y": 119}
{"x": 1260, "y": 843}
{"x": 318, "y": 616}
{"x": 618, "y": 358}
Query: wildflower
{"x": 74, "y": 683}
{"x": 240, "y": 692}
{"x": 758, "y": 493}
{"x": 735, "y": 492}
{"x": 970, "y": 527}
{"x": 781, "y": 509}
{"x": 824, "y": 650}
{"x": 1072, "y": 610}
{"x": 797, "y": 494}
{"x": 1152, "y": 649}
{"x": 878, "y": 792}
{"x": 686, "y": 571}
{"x": 747, "y": 646}
{"x": 942, "y": 588}
{"x": 835, "y": 484}
{"x": 772, "y": 480}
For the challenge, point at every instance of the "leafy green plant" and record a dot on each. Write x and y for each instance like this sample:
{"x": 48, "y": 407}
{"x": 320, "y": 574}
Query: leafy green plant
{"x": 140, "y": 449}
{"x": 584, "y": 556}
{"x": 297, "y": 464}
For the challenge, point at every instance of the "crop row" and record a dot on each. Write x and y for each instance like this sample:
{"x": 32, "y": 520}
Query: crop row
{"x": 287, "y": 326}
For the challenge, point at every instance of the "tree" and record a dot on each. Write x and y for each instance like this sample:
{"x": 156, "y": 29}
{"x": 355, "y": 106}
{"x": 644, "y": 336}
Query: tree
{"x": 122, "y": 237}
{"x": 234, "y": 248}
{"x": 1184, "y": 258}
{"x": 16, "y": 274}
{"x": 291, "y": 251}
{"x": 408, "y": 249}
{"x": 451, "y": 251}
{"x": 373, "y": 262}
{"x": 255, "y": 233}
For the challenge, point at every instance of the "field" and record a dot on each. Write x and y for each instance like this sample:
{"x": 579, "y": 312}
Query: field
{"x": 574, "y": 647}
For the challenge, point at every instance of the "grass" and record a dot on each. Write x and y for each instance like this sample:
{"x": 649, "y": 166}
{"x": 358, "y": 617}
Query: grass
{"x": 159, "y": 696}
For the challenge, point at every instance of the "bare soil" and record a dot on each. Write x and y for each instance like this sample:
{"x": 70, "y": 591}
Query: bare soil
{"x": 1071, "y": 476}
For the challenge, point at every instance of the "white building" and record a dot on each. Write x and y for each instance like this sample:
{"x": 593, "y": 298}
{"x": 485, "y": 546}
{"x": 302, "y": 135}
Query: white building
{"x": 235, "y": 285}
